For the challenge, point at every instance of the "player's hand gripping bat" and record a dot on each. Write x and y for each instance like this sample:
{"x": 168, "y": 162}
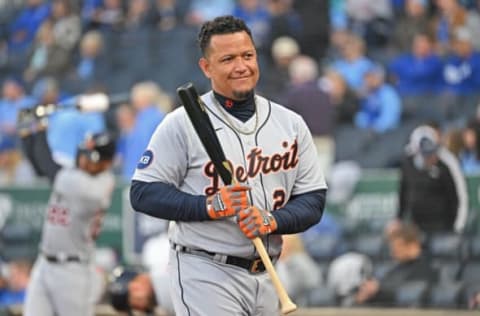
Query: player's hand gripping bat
{"x": 203, "y": 126}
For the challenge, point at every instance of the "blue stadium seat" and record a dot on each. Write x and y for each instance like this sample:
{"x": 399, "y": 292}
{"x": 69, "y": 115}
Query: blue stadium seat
{"x": 411, "y": 294}
{"x": 323, "y": 247}
{"x": 448, "y": 246}
{"x": 321, "y": 297}
{"x": 372, "y": 245}
{"x": 445, "y": 295}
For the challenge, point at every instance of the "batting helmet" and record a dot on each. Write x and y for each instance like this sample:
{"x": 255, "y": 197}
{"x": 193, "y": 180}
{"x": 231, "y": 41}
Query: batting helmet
{"x": 100, "y": 146}
{"x": 118, "y": 287}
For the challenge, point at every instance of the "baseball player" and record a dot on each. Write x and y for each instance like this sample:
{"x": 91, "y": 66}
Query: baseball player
{"x": 280, "y": 189}
{"x": 63, "y": 278}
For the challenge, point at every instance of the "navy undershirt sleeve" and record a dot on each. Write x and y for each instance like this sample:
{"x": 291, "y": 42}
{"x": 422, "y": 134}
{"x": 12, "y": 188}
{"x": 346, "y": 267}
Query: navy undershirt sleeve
{"x": 301, "y": 212}
{"x": 164, "y": 201}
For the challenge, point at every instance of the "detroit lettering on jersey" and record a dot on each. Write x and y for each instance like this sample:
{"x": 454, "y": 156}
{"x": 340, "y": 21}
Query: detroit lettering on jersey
{"x": 256, "y": 163}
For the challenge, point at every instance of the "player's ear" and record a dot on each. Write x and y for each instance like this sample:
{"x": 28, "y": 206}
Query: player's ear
{"x": 205, "y": 66}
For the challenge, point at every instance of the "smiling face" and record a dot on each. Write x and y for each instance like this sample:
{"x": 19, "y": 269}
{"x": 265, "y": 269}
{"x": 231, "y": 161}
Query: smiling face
{"x": 230, "y": 62}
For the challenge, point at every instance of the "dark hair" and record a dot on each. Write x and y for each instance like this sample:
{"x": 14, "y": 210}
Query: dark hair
{"x": 225, "y": 24}
{"x": 408, "y": 232}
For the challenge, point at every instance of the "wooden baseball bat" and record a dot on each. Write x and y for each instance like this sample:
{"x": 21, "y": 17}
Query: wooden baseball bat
{"x": 203, "y": 126}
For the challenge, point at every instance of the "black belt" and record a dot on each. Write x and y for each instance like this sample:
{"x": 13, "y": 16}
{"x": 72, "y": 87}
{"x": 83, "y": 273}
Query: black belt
{"x": 62, "y": 258}
{"x": 251, "y": 265}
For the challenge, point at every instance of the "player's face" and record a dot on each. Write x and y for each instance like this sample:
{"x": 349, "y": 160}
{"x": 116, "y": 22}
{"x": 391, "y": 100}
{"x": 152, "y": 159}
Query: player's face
{"x": 231, "y": 65}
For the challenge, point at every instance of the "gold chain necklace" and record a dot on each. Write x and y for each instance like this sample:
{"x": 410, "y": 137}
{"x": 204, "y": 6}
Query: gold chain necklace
{"x": 230, "y": 122}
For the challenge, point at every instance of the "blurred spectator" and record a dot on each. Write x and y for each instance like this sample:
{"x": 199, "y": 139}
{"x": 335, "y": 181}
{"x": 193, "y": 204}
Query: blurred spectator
{"x": 346, "y": 274}
{"x": 469, "y": 156}
{"x": 451, "y": 16}
{"x": 125, "y": 118}
{"x": 275, "y": 80}
{"x": 410, "y": 265}
{"x": 380, "y": 107}
{"x": 89, "y": 12}
{"x": 47, "y": 57}
{"x": 415, "y": 21}
{"x": 257, "y": 18}
{"x": 473, "y": 22}
{"x": 155, "y": 256}
{"x": 67, "y": 26}
{"x": 353, "y": 63}
{"x": 91, "y": 66}
{"x": 306, "y": 97}
{"x": 344, "y": 99}
{"x": 461, "y": 74}
{"x": 315, "y": 18}
{"x": 167, "y": 14}
{"x": 296, "y": 268}
{"x": 22, "y": 30}
{"x": 417, "y": 77}
{"x": 284, "y": 21}
{"x": 432, "y": 191}
{"x": 417, "y": 71}
{"x": 145, "y": 97}
{"x": 17, "y": 278}
{"x": 68, "y": 127}
{"x": 371, "y": 20}
{"x": 138, "y": 15}
{"x": 14, "y": 169}
{"x": 474, "y": 302}
{"x": 109, "y": 17}
{"x": 203, "y": 10}
{"x": 13, "y": 100}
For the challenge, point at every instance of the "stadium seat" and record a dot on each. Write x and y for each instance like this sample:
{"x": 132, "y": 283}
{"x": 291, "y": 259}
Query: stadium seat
{"x": 323, "y": 247}
{"x": 448, "y": 271}
{"x": 411, "y": 294}
{"x": 447, "y": 246}
{"x": 474, "y": 248}
{"x": 321, "y": 297}
{"x": 372, "y": 245}
{"x": 445, "y": 295}
{"x": 471, "y": 273}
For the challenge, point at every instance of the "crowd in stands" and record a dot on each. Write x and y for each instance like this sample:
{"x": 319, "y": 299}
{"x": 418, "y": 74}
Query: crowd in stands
{"x": 363, "y": 74}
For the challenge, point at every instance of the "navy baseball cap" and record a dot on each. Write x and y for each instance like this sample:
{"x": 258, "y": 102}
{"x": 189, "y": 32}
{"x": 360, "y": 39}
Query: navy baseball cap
{"x": 428, "y": 146}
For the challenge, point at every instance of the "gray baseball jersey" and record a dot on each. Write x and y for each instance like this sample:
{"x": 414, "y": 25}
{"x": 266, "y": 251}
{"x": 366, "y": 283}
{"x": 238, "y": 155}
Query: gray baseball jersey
{"x": 72, "y": 221}
{"x": 277, "y": 160}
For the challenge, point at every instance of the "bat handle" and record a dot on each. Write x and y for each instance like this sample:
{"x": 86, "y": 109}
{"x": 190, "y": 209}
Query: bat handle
{"x": 286, "y": 304}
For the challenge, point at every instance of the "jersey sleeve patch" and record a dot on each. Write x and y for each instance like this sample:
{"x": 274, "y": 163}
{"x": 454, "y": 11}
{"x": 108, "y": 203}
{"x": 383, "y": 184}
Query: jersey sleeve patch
{"x": 145, "y": 160}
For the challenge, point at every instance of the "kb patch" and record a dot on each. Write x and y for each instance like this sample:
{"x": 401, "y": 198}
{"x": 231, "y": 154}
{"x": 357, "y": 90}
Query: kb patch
{"x": 145, "y": 160}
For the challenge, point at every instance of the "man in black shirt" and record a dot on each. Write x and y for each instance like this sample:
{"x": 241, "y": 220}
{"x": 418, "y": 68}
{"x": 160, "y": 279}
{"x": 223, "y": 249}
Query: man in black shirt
{"x": 411, "y": 265}
{"x": 433, "y": 192}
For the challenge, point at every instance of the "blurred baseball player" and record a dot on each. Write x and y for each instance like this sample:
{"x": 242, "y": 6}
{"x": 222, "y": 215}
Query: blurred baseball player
{"x": 281, "y": 188}
{"x": 63, "y": 277}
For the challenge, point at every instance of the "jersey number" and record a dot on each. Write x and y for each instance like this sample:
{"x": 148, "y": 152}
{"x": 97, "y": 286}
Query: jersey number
{"x": 278, "y": 198}
{"x": 58, "y": 215}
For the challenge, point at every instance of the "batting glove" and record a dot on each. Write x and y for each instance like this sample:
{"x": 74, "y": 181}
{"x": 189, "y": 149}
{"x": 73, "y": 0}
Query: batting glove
{"x": 255, "y": 222}
{"x": 228, "y": 201}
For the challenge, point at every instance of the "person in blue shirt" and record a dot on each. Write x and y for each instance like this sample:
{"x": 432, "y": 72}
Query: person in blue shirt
{"x": 380, "y": 107}
{"x": 22, "y": 30}
{"x": 417, "y": 76}
{"x": 13, "y": 100}
{"x": 419, "y": 71}
{"x": 16, "y": 280}
{"x": 68, "y": 127}
{"x": 469, "y": 156}
{"x": 354, "y": 64}
{"x": 144, "y": 98}
{"x": 257, "y": 17}
{"x": 461, "y": 75}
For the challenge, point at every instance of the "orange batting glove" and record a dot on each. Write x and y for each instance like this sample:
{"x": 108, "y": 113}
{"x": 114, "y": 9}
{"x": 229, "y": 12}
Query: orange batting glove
{"x": 228, "y": 201}
{"x": 255, "y": 222}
